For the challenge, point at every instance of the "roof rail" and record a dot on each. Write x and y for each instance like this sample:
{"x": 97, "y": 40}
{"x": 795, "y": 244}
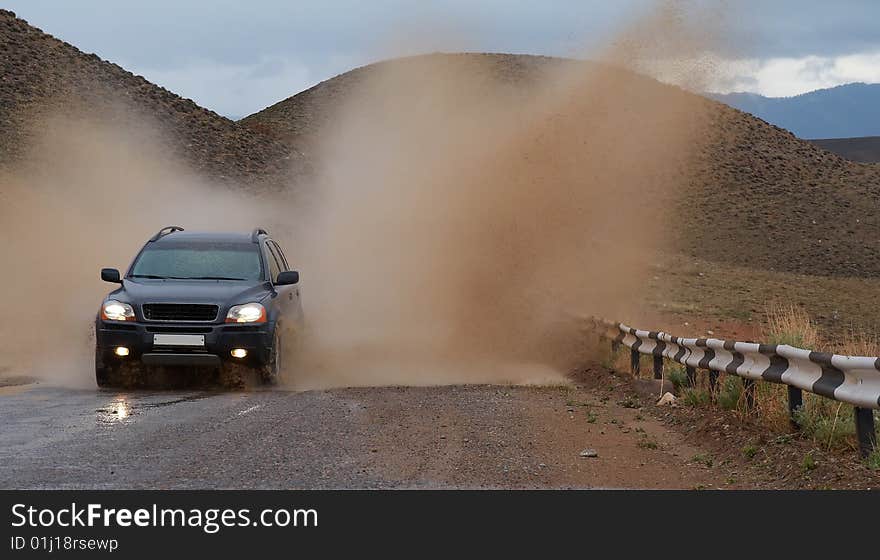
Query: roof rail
{"x": 255, "y": 236}
{"x": 167, "y": 230}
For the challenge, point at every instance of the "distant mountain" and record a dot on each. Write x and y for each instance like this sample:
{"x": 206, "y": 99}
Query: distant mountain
{"x": 846, "y": 111}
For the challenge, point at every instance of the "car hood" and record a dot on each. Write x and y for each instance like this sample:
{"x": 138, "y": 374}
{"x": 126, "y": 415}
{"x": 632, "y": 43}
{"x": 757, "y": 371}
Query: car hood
{"x": 220, "y": 292}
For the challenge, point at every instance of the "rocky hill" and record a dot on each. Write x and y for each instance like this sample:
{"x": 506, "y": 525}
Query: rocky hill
{"x": 756, "y": 194}
{"x": 40, "y": 74}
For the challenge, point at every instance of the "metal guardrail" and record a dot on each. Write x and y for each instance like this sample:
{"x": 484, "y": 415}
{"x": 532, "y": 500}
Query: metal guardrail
{"x": 850, "y": 379}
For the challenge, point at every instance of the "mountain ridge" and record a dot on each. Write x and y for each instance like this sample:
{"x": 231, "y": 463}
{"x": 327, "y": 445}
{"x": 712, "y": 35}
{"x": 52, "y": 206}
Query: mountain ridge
{"x": 845, "y": 111}
{"x": 42, "y": 75}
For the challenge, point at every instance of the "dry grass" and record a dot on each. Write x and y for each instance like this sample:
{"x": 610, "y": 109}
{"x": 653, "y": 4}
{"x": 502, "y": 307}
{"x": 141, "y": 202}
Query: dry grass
{"x": 830, "y": 424}
{"x": 859, "y": 343}
{"x": 792, "y": 325}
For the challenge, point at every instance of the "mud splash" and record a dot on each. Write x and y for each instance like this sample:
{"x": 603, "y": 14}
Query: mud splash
{"x": 462, "y": 222}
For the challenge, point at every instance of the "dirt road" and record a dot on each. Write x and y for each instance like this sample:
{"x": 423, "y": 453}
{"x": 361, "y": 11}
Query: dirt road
{"x": 437, "y": 437}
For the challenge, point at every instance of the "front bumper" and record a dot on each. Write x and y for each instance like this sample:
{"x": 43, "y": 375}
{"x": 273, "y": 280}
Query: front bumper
{"x": 220, "y": 339}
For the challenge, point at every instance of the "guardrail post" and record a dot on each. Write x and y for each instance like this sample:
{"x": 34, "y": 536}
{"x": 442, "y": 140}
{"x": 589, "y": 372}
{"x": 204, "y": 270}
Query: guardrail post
{"x": 795, "y": 401}
{"x": 865, "y": 430}
{"x": 658, "y": 367}
{"x": 691, "y": 375}
{"x": 634, "y": 362}
{"x": 713, "y": 382}
{"x": 749, "y": 391}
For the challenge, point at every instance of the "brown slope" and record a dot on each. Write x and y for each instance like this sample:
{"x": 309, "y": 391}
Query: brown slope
{"x": 302, "y": 116}
{"x": 41, "y": 75}
{"x": 758, "y": 195}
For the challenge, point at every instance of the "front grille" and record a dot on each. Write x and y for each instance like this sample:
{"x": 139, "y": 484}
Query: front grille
{"x": 180, "y": 330}
{"x": 179, "y": 312}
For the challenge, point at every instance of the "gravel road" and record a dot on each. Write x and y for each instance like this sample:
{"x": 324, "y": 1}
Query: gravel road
{"x": 394, "y": 437}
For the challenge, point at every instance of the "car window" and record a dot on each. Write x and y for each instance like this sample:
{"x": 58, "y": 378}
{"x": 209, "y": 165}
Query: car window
{"x": 199, "y": 260}
{"x": 274, "y": 268}
{"x": 282, "y": 260}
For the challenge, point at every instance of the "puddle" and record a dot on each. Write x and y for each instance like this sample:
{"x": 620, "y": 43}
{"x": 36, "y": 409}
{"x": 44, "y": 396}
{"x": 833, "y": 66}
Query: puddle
{"x": 121, "y": 410}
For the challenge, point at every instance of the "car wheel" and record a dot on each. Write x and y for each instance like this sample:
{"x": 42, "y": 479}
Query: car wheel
{"x": 269, "y": 372}
{"x": 103, "y": 372}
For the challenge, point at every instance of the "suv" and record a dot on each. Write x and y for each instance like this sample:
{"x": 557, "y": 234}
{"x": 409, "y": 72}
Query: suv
{"x": 208, "y": 300}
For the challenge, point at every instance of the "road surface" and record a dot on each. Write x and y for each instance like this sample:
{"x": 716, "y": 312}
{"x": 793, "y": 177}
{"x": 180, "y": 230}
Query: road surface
{"x": 387, "y": 437}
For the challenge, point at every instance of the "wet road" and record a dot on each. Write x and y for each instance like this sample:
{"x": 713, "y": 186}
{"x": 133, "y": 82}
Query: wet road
{"x": 472, "y": 436}
{"x": 62, "y": 438}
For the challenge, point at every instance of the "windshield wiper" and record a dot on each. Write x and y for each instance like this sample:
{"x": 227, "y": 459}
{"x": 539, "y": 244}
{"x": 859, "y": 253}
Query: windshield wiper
{"x": 156, "y": 277}
{"x": 211, "y": 278}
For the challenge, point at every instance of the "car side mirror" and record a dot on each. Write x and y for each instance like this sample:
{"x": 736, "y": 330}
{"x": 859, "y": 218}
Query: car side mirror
{"x": 110, "y": 275}
{"x": 287, "y": 278}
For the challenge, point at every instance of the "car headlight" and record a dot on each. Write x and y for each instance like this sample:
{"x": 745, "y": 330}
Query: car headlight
{"x": 113, "y": 310}
{"x": 246, "y": 313}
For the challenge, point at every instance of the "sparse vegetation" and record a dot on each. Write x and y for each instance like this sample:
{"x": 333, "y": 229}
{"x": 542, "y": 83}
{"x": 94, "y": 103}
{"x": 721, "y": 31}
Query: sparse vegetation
{"x": 783, "y": 439}
{"x": 809, "y": 462}
{"x": 677, "y": 376}
{"x": 792, "y": 325}
{"x": 859, "y": 343}
{"x": 873, "y": 460}
{"x": 704, "y": 459}
{"x": 750, "y": 450}
{"x": 831, "y": 424}
{"x": 695, "y": 397}
{"x": 630, "y": 402}
{"x": 730, "y": 394}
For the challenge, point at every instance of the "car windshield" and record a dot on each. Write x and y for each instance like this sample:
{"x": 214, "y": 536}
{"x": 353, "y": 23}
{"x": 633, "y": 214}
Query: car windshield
{"x": 199, "y": 261}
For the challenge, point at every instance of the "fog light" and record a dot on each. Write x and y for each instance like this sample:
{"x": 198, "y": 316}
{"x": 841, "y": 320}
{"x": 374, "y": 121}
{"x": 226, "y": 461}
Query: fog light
{"x": 239, "y": 353}
{"x": 121, "y": 351}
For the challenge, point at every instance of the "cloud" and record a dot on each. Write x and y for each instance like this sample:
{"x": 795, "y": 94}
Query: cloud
{"x": 813, "y": 43}
{"x": 783, "y": 77}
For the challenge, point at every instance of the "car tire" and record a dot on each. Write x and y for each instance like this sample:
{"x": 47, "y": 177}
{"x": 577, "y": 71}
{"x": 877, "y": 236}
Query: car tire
{"x": 110, "y": 373}
{"x": 269, "y": 372}
{"x": 103, "y": 372}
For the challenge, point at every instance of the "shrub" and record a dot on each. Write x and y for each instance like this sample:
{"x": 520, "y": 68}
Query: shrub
{"x": 695, "y": 397}
{"x": 730, "y": 393}
{"x": 790, "y": 324}
{"x": 828, "y": 422}
{"x": 678, "y": 376}
{"x": 809, "y": 462}
{"x": 873, "y": 460}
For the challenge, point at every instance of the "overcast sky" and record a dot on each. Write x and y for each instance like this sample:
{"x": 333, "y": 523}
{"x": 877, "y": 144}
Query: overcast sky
{"x": 236, "y": 56}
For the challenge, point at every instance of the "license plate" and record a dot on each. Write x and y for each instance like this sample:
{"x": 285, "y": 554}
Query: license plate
{"x": 189, "y": 340}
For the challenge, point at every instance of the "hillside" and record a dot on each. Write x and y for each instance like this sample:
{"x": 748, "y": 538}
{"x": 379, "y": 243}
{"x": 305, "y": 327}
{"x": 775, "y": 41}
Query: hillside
{"x": 758, "y": 195}
{"x": 864, "y": 150}
{"x": 302, "y": 116}
{"x": 850, "y": 110}
{"x": 41, "y": 74}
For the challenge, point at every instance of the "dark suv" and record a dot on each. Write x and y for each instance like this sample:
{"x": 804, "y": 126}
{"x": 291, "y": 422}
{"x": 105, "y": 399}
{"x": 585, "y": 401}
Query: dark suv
{"x": 204, "y": 300}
